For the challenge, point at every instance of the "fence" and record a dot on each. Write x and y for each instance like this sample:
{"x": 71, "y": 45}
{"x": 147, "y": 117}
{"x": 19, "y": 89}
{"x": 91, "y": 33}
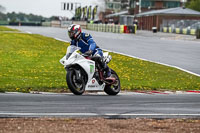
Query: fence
{"x": 4, "y": 23}
{"x": 64, "y": 24}
{"x": 187, "y": 27}
{"x": 25, "y": 23}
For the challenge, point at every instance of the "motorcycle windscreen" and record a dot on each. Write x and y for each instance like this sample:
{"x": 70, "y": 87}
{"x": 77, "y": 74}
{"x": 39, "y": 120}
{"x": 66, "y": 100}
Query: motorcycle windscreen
{"x": 71, "y": 49}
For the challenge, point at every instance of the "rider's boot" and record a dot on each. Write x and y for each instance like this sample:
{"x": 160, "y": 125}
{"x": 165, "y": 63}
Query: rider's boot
{"x": 108, "y": 73}
{"x": 106, "y": 69}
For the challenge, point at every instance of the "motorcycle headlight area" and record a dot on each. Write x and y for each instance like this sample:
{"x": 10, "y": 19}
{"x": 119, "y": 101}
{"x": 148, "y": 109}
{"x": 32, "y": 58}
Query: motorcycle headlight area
{"x": 71, "y": 59}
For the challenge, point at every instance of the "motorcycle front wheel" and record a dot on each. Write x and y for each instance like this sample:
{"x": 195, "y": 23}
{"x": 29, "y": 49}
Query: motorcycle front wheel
{"x": 115, "y": 88}
{"x": 75, "y": 86}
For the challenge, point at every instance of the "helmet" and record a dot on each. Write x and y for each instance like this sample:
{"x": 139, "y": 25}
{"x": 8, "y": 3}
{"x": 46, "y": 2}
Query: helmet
{"x": 74, "y": 31}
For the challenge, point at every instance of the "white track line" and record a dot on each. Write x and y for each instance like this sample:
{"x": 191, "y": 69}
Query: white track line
{"x": 28, "y": 32}
{"x": 49, "y": 114}
{"x": 144, "y": 59}
{"x": 90, "y": 114}
{"x": 61, "y": 40}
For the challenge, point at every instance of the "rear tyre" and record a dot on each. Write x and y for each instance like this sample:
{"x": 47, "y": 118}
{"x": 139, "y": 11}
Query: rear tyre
{"x": 113, "y": 89}
{"x": 75, "y": 87}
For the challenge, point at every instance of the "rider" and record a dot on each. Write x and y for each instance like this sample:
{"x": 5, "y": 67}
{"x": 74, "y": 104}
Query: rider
{"x": 87, "y": 45}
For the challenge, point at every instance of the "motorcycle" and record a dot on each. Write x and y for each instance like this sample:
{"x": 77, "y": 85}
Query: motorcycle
{"x": 84, "y": 73}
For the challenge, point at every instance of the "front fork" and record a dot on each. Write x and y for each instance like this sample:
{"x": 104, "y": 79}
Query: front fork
{"x": 77, "y": 73}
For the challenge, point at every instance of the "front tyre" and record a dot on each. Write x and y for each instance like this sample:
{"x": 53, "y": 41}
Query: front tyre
{"x": 113, "y": 89}
{"x": 75, "y": 86}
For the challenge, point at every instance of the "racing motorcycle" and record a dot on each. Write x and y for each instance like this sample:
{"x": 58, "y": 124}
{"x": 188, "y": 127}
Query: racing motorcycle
{"x": 84, "y": 73}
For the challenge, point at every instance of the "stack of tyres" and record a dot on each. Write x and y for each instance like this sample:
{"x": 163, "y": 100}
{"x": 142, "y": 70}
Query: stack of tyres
{"x": 107, "y": 28}
{"x": 121, "y": 28}
{"x": 92, "y": 27}
{"x": 110, "y": 28}
{"x": 154, "y": 29}
{"x": 117, "y": 28}
{"x": 96, "y": 27}
{"x": 99, "y": 27}
{"x": 113, "y": 28}
{"x": 104, "y": 27}
{"x": 185, "y": 31}
{"x": 198, "y": 33}
{"x": 164, "y": 29}
{"x": 170, "y": 29}
{"x": 177, "y": 30}
{"x": 131, "y": 29}
{"x": 125, "y": 29}
{"x": 192, "y": 31}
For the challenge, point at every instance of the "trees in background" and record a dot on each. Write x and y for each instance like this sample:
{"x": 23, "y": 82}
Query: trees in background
{"x": 2, "y": 15}
{"x": 2, "y": 9}
{"x": 22, "y": 17}
{"x": 193, "y": 4}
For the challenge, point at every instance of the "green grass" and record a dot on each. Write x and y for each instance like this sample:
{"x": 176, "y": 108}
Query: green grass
{"x": 31, "y": 62}
{"x": 3, "y": 28}
{"x": 137, "y": 74}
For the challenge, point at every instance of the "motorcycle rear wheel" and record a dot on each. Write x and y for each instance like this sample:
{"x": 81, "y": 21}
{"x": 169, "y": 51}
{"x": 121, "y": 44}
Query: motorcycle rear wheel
{"x": 115, "y": 88}
{"x": 75, "y": 87}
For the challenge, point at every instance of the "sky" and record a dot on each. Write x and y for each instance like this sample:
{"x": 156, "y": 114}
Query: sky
{"x": 46, "y": 8}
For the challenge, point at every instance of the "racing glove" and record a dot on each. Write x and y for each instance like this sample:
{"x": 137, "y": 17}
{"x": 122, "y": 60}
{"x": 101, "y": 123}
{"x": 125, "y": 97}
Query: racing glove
{"x": 88, "y": 53}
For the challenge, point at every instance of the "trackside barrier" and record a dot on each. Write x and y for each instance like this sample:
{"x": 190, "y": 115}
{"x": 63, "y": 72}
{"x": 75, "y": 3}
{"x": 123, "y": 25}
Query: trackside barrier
{"x": 112, "y": 28}
{"x": 164, "y": 29}
{"x": 179, "y": 30}
{"x": 47, "y": 24}
{"x": 193, "y": 31}
{"x": 121, "y": 28}
{"x": 198, "y": 33}
{"x": 184, "y": 31}
{"x": 170, "y": 30}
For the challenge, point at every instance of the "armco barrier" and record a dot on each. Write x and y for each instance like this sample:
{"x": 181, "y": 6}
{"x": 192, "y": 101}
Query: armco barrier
{"x": 112, "y": 28}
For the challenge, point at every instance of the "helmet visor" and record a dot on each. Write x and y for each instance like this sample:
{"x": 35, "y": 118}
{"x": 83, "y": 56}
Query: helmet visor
{"x": 71, "y": 34}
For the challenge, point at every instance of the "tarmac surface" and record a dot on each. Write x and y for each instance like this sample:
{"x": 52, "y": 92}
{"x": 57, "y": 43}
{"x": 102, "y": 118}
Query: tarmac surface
{"x": 181, "y": 51}
{"x": 124, "y": 105}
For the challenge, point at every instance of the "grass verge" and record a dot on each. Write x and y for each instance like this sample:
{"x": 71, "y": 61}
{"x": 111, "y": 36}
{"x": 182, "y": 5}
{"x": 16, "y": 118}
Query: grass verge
{"x": 31, "y": 63}
{"x": 3, "y": 28}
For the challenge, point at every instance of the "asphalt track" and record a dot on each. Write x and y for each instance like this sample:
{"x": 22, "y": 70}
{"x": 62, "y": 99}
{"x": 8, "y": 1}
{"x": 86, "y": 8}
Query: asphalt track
{"x": 130, "y": 105}
{"x": 160, "y": 48}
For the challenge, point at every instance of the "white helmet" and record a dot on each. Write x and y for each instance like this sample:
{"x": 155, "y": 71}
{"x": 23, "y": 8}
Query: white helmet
{"x": 74, "y": 31}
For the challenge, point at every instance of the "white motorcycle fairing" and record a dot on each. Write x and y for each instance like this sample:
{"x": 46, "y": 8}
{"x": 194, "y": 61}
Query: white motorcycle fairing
{"x": 88, "y": 65}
